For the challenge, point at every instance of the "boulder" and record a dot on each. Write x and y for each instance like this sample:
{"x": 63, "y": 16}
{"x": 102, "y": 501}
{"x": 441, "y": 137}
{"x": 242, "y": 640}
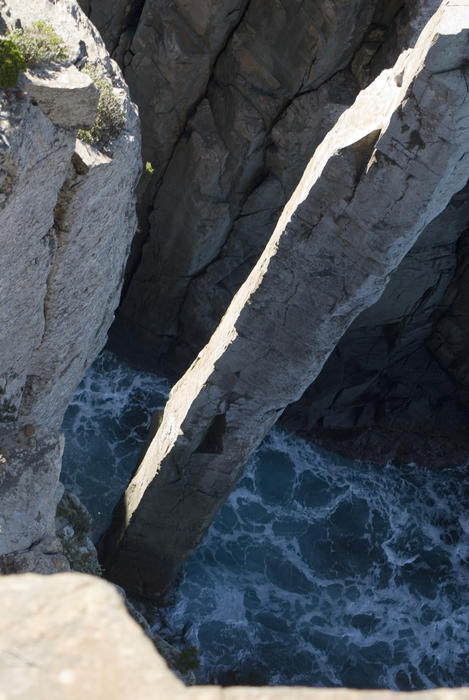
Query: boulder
{"x": 69, "y": 636}
{"x": 68, "y": 97}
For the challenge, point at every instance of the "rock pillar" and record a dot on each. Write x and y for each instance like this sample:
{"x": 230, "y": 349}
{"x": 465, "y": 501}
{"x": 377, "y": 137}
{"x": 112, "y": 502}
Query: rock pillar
{"x": 388, "y": 168}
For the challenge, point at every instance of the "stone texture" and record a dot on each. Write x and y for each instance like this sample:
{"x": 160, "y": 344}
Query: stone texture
{"x": 73, "y": 525}
{"x": 92, "y": 230}
{"x": 69, "y": 636}
{"x": 166, "y": 50}
{"x": 292, "y": 141}
{"x": 209, "y": 219}
{"x": 383, "y": 173}
{"x": 43, "y": 557}
{"x": 29, "y": 474}
{"x": 66, "y": 222}
{"x": 68, "y": 97}
{"x": 35, "y": 157}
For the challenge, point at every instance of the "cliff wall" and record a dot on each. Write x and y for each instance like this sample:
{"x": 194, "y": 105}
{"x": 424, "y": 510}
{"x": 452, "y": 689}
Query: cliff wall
{"x": 67, "y": 217}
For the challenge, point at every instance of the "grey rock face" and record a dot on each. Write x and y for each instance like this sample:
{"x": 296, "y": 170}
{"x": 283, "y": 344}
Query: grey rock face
{"x": 66, "y": 221}
{"x": 42, "y": 557}
{"x": 385, "y": 171}
{"x": 73, "y": 525}
{"x": 29, "y": 475}
{"x": 450, "y": 337}
{"x": 230, "y": 171}
{"x": 292, "y": 141}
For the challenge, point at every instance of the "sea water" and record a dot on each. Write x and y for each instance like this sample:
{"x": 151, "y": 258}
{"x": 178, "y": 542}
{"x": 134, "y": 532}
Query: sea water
{"x": 318, "y": 570}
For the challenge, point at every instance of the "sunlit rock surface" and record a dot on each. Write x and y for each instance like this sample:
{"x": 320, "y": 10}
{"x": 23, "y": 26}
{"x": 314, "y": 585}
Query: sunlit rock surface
{"x": 209, "y": 209}
{"x": 66, "y": 222}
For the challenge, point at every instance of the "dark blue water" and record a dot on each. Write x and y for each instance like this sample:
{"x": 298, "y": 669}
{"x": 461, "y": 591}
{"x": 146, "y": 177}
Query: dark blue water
{"x": 318, "y": 570}
{"x": 105, "y": 428}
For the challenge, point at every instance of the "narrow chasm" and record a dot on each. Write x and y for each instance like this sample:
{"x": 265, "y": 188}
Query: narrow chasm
{"x": 318, "y": 570}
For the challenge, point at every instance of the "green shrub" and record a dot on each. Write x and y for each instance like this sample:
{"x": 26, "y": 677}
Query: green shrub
{"x": 39, "y": 44}
{"x": 188, "y": 660}
{"x": 110, "y": 119}
{"x": 12, "y": 63}
{"x": 147, "y": 173}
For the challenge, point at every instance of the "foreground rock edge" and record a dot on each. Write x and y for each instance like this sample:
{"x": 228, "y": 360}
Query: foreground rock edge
{"x": 69, "y": 636}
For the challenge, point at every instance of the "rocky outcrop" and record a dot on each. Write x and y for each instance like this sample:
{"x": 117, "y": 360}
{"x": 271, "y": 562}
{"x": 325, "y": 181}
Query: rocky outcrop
{"x": 449, "y": 339}
{"x": 386, "y": 170}
{"x": 69, "y": 636}
{"x": 66, "y": 222}
{"x": 73, "y": 525}
{"x": 69, "y": 98}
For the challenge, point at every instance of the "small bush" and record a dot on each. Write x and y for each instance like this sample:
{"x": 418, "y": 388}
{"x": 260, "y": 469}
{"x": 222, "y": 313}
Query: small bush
{"x": 39, "y": 44}
{"x": 12, "y": 63}
{"x": 147, "y": 173}
{"x": 110, "y": 119}
{"x": 188, "y": 660}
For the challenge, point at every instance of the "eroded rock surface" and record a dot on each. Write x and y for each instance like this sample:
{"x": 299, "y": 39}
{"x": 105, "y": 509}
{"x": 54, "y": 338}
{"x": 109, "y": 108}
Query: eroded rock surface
{"x": 385, "y": 171}
{"x": 205, "y": 220}
{"x": 66, "y": 222}
{"x": 68, "y": 97}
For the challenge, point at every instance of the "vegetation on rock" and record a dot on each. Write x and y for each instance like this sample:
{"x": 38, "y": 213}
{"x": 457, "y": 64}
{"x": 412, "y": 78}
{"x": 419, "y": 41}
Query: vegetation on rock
{"x": 110, "y": 119}
{"x": 12, "y": 63}
{"x": 188, "y": 660}
{"x": 22, "y": 48}
{"x": 39, "y": 44}
{"x": 147, "y": 173}
{"x": 74, "y": 524}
